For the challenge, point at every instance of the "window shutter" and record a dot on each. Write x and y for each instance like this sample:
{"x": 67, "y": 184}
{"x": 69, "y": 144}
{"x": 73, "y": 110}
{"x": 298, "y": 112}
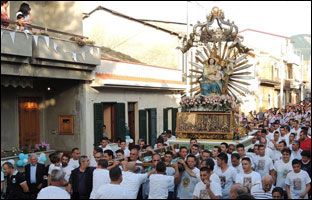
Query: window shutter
{"x": 153, "y": 126}
{"x": 142, "y": 124}
{"x": 174, "y": 120}
{"x": 120, "y": 119}
{"x": 98, "y": 122}
{"x": 165, "y": 117}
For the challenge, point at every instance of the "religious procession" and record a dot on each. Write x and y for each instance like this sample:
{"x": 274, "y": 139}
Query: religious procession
{"x": 91, "y": 109}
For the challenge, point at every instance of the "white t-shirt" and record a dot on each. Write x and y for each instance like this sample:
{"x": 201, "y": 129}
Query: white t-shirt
{"x": 269, "y": 152}
{"x": 93, "y": 162}
{"x": 106, "y": 148}
{"x": 52, "y": 166}
{"x": 213, "y": 178}
{"x": 132, "y": 182}
{"x": 293, "y": 130}
{"x": 100, "y": 177}
{"x": 73, "y": 163}
{"x": 277, "y": 156}
{"x": 250, "y": 180}
{"x": 295, "y": 155}
{"x": 227, "y": 179}
{"x": 67, "y": 171}
{"x": 53, "y": 192}
{"x": 187, "y": 185}
{"x": 126, "y": 152}
{"x": 111, "y": 191}
{"x": 200, "y": 190}
{"x": 159, "y": 186}
{"x": 170, "y": 171}
{"x": 282, "y": 170}
{"x": 239, "y": 168}
{"x": 172, "y": 137}
{"x": 264, "y": 165}
{"x": 297, "y": 182}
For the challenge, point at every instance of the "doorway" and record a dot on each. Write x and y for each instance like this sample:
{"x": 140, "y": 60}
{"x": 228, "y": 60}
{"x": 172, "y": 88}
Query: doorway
{"x": 29, "y": 127}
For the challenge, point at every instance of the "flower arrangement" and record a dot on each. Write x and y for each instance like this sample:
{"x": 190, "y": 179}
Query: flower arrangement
{"x": 210, "y": 102}
{"x": 41, "y": 147}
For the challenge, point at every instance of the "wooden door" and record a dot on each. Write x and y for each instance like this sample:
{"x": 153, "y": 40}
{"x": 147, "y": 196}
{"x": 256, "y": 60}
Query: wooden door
{"x": 29, "y": 128}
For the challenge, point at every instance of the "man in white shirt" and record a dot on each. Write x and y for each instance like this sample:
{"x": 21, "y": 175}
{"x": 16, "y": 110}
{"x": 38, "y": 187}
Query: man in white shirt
{"x": 226, "y": 173}
{"x": 97, "y": 152}
{"x": 264, "y": 164}
{"x": 206, "y": 188}
{"x": 123, "y": 146}
{"x": 104, "y": 144}
{"x": 224, "y": 148}
{"x": 268, "y": 151}
{"x": 296, "y": 129}
{"x": 67, "y": 169}
{"x": 296, "y": 151}
{"x": 160, "y": 183}
{"x": 54, "y": 191}
{"x": 187, "y": 183}
{"x": 131, "y": 180}
{"x": 248, "y": 178}
{"x": 240, "y": 148}
{"x": 100, "y": 176}
{"x": 235, "y": 163}
{"x": 298, "y": 182}
{"x": 74, "y": 161}
{"x": 282, "y": 168}
{"x": 252, "y": 129}
{"x": 170, "y": 136}
{"x": 113, "y": 190}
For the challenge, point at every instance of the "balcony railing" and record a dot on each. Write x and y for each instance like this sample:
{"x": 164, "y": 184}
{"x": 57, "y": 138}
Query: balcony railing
{"x": 39, "y": 47}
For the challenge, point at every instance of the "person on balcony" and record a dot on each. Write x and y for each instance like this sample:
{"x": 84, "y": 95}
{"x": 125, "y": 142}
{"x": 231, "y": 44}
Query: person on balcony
{"x": 25, "y": 11}
{"x": 4, "y": 13}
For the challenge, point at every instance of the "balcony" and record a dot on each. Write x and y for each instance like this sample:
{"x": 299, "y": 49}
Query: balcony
{"x": 25, "y": 54}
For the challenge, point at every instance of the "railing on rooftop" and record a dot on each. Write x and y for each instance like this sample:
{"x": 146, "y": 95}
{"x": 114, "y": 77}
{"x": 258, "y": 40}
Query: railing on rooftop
{"x": 45, "y": 29}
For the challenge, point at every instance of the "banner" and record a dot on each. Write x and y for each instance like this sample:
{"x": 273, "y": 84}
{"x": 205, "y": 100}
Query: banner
{"x": 35, "y": 39}
{"x": 12, "y": 34}
{"x": 47, "y": 40}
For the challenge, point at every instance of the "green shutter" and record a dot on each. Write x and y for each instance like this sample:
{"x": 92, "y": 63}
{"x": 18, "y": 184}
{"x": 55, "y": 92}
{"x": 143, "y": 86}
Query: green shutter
{"x": 120, "y": 121}
{"x": 142, "y": 124}
{"x": 174, "y": 120}
{"x": 165, "y": 117}
{"x": 98, "y": 122}
{"x": 152, "y": 126}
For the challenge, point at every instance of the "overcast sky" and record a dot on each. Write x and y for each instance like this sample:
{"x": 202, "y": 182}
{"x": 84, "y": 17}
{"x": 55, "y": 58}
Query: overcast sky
{"x": 283, "y": 17}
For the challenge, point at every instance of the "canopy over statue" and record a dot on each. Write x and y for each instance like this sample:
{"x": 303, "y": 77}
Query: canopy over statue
{"x": 218, "y": 77}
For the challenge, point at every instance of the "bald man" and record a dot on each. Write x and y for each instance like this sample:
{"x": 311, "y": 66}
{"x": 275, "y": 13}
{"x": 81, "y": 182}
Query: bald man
{"x": 265, "y": 192}
{"x": 131, "y": 180}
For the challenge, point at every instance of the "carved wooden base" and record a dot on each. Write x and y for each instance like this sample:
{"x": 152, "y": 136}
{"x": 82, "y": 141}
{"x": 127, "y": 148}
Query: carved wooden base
{"x": 205, "y": 125}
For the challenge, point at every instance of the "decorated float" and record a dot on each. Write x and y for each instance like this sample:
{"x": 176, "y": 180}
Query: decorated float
{"x": 218, "y": 78}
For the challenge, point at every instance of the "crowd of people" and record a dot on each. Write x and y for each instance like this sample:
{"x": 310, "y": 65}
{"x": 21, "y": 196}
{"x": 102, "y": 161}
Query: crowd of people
{"x": 276, "y": 165}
